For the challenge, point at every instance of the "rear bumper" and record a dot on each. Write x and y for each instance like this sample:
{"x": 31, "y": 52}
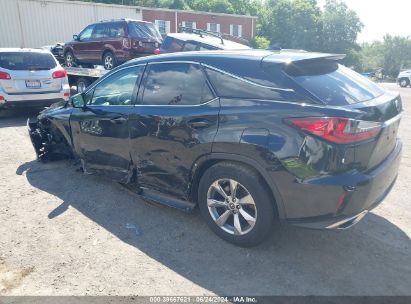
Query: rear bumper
{"x": 341, "y": 201}
{"x": 32, "y": 100}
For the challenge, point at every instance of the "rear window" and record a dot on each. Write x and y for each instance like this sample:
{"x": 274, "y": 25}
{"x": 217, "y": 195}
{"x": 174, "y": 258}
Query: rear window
{"x": 27, "y": 61}
{"x": 333, "y": 84}
{"x": 143, "y": 30}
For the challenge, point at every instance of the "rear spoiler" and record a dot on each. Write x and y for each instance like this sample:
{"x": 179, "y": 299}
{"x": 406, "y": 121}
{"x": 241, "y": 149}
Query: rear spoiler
{"x": 298, "y": 58}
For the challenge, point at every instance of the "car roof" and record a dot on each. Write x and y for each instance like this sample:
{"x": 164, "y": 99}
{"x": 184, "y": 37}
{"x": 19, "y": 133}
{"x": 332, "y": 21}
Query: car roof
{"x": 210, "y": 40}
{"x": 259, "y": 55}
{"x": 121, "y": 20}
{"x": 26, "y": 50}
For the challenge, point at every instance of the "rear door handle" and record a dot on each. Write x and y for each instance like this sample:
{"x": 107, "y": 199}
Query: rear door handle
{"x": 118, "y": 120}
{"x": 199, "y": 123}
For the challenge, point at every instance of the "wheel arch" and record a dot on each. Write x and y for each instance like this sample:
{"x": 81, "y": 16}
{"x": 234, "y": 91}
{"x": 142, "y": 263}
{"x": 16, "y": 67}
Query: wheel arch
{"x": 205, "y": 162}
{"x": 107, "y": 49}
{"x": 68, "y": 49}
{"x": 405, "y": 78}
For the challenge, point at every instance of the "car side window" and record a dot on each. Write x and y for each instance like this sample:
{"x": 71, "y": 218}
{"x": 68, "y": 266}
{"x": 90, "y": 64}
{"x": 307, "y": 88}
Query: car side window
{"x": 117, "y": 89}
{"x": 173, "y": 45}
{"x": 115, "y": 30}
{"x": 99, "y": 31}
{"x": 190, "y": 46}
{"x": 234, "y": 87}
{"x": 86, "y": 33}
{"x": 176, "y": 84}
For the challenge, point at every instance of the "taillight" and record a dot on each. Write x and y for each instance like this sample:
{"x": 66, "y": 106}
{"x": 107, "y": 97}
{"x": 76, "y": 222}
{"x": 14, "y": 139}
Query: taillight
{"x": 4, "y": 75}
{"x": 337, "y": 129}
{"x": 2, "y": 99}
{"x": 157, "y": 51}
{"x": 59, "y": 74}
{"x": 126, "y": 43}
{"x": 66, "y": 94}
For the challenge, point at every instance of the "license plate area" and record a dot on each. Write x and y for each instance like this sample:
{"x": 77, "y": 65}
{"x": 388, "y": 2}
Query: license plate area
{"x": 33, "y": 84}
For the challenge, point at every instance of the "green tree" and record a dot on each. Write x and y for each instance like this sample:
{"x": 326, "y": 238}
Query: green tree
{"x": 397, "y": 54}
{"x": 259, "y": 42}
{"x": 217, "y": 6}
{"x": 291, "y": 23}
{"x": 340, "y": 27}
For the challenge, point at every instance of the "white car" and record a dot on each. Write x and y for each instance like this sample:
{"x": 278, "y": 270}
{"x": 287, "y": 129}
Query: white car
{"x": 31, "y": 78}
{"x": 404, "y": 78}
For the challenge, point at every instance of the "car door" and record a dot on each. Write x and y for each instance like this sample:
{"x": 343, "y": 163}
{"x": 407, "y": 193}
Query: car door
{"x": 96, "y": 43}
{"x": 81, "y": 46}
{"x": 173, "y": 124}
{"x": 101, "y": 130}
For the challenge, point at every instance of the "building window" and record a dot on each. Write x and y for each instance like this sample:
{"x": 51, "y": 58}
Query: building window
{"x": 163, "y": 26}
{"x": 213, "y": 27}
{"x": 189, "y": 24}
{"x": 236, "y": 30}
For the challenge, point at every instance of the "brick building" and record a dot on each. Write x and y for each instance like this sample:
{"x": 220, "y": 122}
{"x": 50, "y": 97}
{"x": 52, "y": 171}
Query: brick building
{"x": 168, "y": 20}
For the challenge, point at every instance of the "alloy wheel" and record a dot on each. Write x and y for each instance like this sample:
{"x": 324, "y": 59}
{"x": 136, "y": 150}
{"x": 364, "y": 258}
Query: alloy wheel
{"x": 69, "y": 60}
{"x": 231, "y": 206}
{"x": 403, "y": 83}
{"x": 108, "y": 62}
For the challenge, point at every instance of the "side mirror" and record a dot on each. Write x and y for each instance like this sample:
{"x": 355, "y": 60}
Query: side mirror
{"x": 78, "y": 101}
{"x": 75, "y": 37}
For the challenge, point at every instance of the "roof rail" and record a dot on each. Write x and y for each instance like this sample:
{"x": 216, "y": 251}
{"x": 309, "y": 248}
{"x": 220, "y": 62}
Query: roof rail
{"x": 111, "y": 20}
{"x": 235, "y": 38}
{"x": 184, "y": 29}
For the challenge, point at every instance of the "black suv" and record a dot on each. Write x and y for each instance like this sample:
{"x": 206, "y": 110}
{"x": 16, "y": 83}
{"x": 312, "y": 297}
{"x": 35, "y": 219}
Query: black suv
{"x": 248, "y": 136}
{"x": 188, "y": 40}
{"x": 112, "y": 42}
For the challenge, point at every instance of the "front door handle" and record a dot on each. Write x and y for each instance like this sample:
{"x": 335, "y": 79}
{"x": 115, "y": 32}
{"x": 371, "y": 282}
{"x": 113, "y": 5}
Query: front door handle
{"x": 118, "y": 120}
{"x": 199, "y": 123}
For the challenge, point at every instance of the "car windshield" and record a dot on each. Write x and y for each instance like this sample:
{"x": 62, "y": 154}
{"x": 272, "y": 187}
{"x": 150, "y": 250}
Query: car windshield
{"x": 144, "y": 30}
{"x": 27, "y": 61}
{"x": 334, "y": 84}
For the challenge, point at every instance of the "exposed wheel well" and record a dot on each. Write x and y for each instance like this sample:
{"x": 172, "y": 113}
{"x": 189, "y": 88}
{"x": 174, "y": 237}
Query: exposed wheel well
{"x": 67, "y": 51}
{"x": 107, "y": 51}
{"x": 211, "y": 162}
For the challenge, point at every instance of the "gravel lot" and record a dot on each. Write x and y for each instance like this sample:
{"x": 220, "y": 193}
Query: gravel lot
{"x": 64, "y": 233}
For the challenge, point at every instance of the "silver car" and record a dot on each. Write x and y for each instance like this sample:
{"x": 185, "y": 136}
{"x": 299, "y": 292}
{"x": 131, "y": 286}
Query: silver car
{"x": 31, "y": 78}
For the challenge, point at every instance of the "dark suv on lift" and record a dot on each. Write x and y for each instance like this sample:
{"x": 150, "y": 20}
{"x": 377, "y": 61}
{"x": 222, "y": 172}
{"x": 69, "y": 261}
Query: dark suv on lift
{"x": 111, "y": 43}
{"x": 248, "y": 136}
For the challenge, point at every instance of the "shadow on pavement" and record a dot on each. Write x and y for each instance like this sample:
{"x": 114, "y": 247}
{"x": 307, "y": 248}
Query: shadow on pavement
{"x": 372, "y": 258}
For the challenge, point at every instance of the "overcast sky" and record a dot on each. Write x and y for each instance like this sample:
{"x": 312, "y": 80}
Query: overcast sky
{"x": 381, "y": 17}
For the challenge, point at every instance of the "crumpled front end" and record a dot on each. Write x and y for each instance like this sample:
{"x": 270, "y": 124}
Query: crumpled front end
{"x": 47, "y": 141}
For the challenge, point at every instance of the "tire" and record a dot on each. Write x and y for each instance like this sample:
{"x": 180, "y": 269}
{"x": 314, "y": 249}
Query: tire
{"x": 241, "y": 232}
{"x": 109, "y": 61}
{"x": 69, "y": 59}
{"x": 82, "y": 83}
{"x": 404, "y": 82}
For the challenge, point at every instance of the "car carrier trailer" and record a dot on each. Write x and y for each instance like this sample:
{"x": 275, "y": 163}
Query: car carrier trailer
{"x": 83, "y": 77}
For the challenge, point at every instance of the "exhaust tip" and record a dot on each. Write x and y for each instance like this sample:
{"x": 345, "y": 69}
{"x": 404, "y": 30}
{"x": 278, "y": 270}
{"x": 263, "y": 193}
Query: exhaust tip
{"x": 348, "y": 222}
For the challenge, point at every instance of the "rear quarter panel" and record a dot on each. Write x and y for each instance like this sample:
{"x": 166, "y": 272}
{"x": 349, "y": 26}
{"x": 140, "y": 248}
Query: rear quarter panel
{"x": 256, "y": 129}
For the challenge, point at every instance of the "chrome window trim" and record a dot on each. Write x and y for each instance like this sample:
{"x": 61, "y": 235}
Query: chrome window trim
{"x": 223, "y": 72}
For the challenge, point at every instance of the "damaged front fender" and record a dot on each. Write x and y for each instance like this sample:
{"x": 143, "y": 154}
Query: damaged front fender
{"x": 47, "y": 141}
